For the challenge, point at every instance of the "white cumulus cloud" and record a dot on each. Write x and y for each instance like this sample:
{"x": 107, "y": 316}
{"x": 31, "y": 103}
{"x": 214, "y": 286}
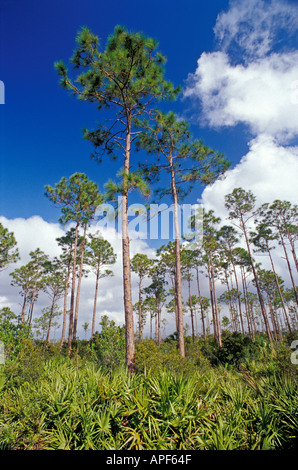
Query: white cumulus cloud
{"x": 260, "y": 91}
{"x": 268, "y": 170}
{"x": 261, "y": 94}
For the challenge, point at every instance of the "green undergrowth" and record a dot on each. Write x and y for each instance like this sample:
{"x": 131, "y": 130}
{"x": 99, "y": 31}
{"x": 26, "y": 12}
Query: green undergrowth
{"x": 50, "y": 401}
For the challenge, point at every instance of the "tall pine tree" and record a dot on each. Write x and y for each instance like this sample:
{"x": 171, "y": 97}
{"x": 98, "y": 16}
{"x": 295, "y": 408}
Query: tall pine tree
{"x": 126, "y": 79}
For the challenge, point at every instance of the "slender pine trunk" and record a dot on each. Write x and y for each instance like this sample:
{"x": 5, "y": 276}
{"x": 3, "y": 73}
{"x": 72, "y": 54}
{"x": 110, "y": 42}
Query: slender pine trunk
{"x": 175, "y": 302}
{"x": 211, "y": 301}
{"x": 234, "y": 309}
{"x": 50, "y": 319}
{"x": 24, "y": 305}
{"x": 191, "y": 312}
{"x": 215, "y": 304}
{"x": 95, "y": 301}
{"x": 30, "y": 315}
{"x": 128, "y": 308}
{"x": 140, "y": 308}
{"x": 73, "y": 287}
{"x": 33, "y": 300}
{"x": 201, "y": 304}
{"x": 158, "y": 325}
{"x": 229, "y": 297}
{"x": 75, "y": 325}
{"x": 272, "y": 316}
{"x": 278, "y": 288}
{"x": 278, "y": 325}
{"x": 178, "y": 286}
{"x": 249, "y": 313}
{"x": 245, "y": 301}
{"x": 65, "y": 306}
{"x": 238, "y": 292}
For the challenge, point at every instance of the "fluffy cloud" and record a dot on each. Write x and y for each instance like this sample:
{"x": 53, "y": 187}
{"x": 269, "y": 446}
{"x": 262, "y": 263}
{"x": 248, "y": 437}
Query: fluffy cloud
{"x": 34, "y": 233}
{"x": 261, "y": 94}
{"x": 256, "y": 83}
{"x": 268, "y": 170}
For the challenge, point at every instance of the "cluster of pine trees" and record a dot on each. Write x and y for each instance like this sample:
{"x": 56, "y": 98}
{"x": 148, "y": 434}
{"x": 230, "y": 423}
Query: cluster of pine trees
{"x": 126, "y": 80}
{"x": 255, "y": 298}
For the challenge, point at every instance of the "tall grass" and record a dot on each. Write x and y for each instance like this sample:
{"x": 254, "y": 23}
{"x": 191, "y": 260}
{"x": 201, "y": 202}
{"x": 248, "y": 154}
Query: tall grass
{"x": 77, "y": 405}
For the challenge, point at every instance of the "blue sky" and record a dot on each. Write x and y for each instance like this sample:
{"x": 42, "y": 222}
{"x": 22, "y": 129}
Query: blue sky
{"x": 40, "y": 124}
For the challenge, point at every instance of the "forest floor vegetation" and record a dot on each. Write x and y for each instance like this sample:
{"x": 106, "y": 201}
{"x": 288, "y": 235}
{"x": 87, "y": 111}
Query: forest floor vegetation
{"x": 242, "y": 396}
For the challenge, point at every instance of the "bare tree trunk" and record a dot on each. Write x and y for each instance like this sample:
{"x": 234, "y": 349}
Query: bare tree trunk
{"x": 178, "y": 287}
{"x": 191, "y": 313}
{"x": 95, "y": 302}
{"x": 212, "y": 302}
{"x": 245, "y": 301}
{"x": 79, "y": 284}
{"x": 279, "y": 289}
{"x": 30, "y": 315}
{"x": 230, "y": 300}
{"x": 278, "y": 327}
{"x": 140, "y": 308}
{"x": 73, "y": 286}
{"x": 175, "y": 302}
{"x": 217, "y": 335}
{"x": 272, "y": 316}
{"x": 65, "y": 307}
{"x": 32, "y": 304}
{"x": 238, "y": 292}
{"x": 23, "y": 307}
{"x": 128, "y": 308}
{"x": 50, "y": 319}
{"x": 234, "y": 310}
{"x": 201, "y": 305}
{"x": 215, "y": 304}
{"x": 158, "y": 326}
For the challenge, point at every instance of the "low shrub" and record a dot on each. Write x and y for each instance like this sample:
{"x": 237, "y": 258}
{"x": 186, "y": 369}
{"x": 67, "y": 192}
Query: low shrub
{"x": 236, "y": 349}
{"x": 155, "y": 358}
{"x": 109, "y": 345}
{"x": 27, "y": 366}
